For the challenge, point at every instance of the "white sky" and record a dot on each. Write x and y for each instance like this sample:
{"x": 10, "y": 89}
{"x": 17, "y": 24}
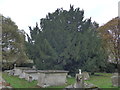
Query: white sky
{"x": 27, "y": 12}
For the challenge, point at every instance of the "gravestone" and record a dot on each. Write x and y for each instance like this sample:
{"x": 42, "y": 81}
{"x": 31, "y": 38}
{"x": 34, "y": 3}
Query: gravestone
{"x": 11, "y": 72}
{"x": 30, "y": 78}
{"x": 34, "y": 67}
{"x": 17, "y": 72}
{"x": 52, "y": 78}
{"x": 81, "y": 84}
{"x": 14, "y": 66}
{"x": 79, "y": 71}
{"x": 22, "y": 75}
{"x": 69, "y": 76}
{"x": 115, "y": 79}
{"x": 79, "y": 81}
{"x": 86, "y": 75}
{"x": 26, "y": 76}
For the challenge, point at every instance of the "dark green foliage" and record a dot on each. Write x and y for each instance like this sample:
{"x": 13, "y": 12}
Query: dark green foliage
{"x": 110, "y": 68}
{"x": 66, "y": 41}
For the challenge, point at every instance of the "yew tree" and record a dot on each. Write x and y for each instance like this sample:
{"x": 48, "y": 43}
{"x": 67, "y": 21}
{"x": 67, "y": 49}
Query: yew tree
{"x": 66, "y": 40}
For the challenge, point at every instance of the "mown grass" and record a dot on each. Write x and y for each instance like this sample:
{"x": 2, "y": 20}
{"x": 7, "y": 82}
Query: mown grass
{"x": 16, "y": 82}
{"x": 101, "y": 80}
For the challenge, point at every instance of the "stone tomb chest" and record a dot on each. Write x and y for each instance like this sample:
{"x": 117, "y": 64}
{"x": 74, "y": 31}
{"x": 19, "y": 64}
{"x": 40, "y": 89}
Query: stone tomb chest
{"x": 33, "y": 74}
{"x": 19, "y": 70}
{"x": 52, "y": 78}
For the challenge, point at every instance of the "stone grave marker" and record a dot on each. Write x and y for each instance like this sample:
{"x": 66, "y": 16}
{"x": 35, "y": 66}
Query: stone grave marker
{"x": 30, "y": 78}
{"x": 34, "y": 67}
{"x": 79, "y": 71}
{"x": 115, "y": 79}
{"x": 22, "y": 75}
{"x": 79, "y": 81}
{"x": 31, "y": 73}
{"x": 11, "y": 72}
{"x": 86, "y": 75}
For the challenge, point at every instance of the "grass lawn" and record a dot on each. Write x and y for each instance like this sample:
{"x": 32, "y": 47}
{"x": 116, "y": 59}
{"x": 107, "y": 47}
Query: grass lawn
{"x": 16, "y": 82}
{"x": 102, "y": 80}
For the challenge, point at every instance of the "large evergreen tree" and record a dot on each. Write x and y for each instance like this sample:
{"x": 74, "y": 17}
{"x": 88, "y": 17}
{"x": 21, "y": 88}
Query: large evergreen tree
{"x": 67, "y": 41}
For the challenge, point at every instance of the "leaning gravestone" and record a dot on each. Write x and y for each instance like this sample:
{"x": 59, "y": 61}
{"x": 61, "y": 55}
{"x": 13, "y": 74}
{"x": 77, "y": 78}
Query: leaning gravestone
{"x": 115, "y": 79}
{"x": 86, "y": 75}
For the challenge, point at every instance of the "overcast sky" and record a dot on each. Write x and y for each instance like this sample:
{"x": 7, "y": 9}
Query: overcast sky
{"x": 27, "y": 12}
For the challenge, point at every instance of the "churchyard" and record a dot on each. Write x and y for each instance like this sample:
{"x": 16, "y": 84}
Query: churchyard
{"x": 66, "y": 50}
{"x": 56, "y": 79}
